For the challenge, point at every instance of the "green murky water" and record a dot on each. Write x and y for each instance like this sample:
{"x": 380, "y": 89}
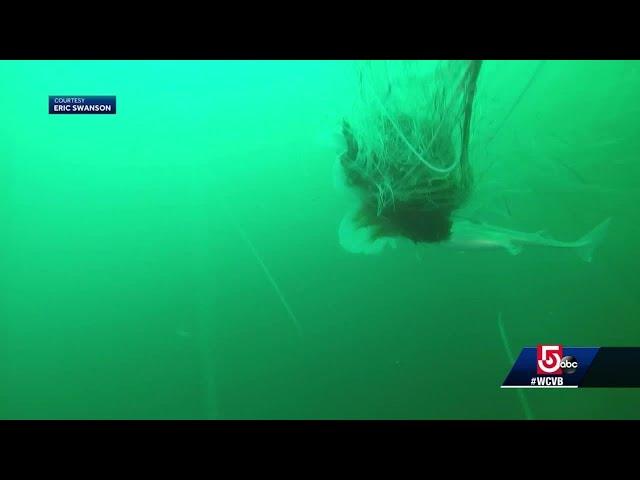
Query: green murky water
{"x": 180, "y": 259}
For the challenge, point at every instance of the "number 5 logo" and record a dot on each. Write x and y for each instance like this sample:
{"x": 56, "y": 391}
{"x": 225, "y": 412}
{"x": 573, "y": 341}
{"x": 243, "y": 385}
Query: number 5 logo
{"x": 549, "y": 359}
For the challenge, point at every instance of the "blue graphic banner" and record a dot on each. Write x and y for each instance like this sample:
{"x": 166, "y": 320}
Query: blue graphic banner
{"x": 551, "y": 366}
{"x": 82, "y": 105}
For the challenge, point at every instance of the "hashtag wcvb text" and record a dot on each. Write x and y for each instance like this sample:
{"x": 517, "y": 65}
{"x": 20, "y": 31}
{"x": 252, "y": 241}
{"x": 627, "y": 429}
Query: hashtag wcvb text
{"x": 547, "y": 381}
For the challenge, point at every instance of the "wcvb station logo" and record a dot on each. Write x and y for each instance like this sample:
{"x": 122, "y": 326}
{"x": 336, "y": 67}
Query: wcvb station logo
{"x": 551, "y": 361}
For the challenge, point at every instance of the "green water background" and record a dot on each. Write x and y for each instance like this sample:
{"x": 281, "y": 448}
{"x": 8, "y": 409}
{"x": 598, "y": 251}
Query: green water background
{"x": 134, "y": 248}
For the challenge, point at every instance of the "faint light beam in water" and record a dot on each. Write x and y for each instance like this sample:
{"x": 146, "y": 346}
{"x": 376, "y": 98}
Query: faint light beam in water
{"x": 577, "y": 175}
{"x": 505, "y": 343}
{"x": 518, "y": 100}
{"x": 513, "y": 107}
{"x": 202, "y": 316}
{"x": 266, "y": 271}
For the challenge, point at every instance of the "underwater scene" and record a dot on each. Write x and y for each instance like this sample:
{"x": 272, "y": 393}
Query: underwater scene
{"x": 314, "y": 239}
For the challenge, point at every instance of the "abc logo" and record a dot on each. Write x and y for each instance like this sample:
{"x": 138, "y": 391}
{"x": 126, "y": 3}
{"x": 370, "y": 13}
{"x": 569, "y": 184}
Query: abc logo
{"x": 552, "y": 361}
{"x": 569, "y": 364}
